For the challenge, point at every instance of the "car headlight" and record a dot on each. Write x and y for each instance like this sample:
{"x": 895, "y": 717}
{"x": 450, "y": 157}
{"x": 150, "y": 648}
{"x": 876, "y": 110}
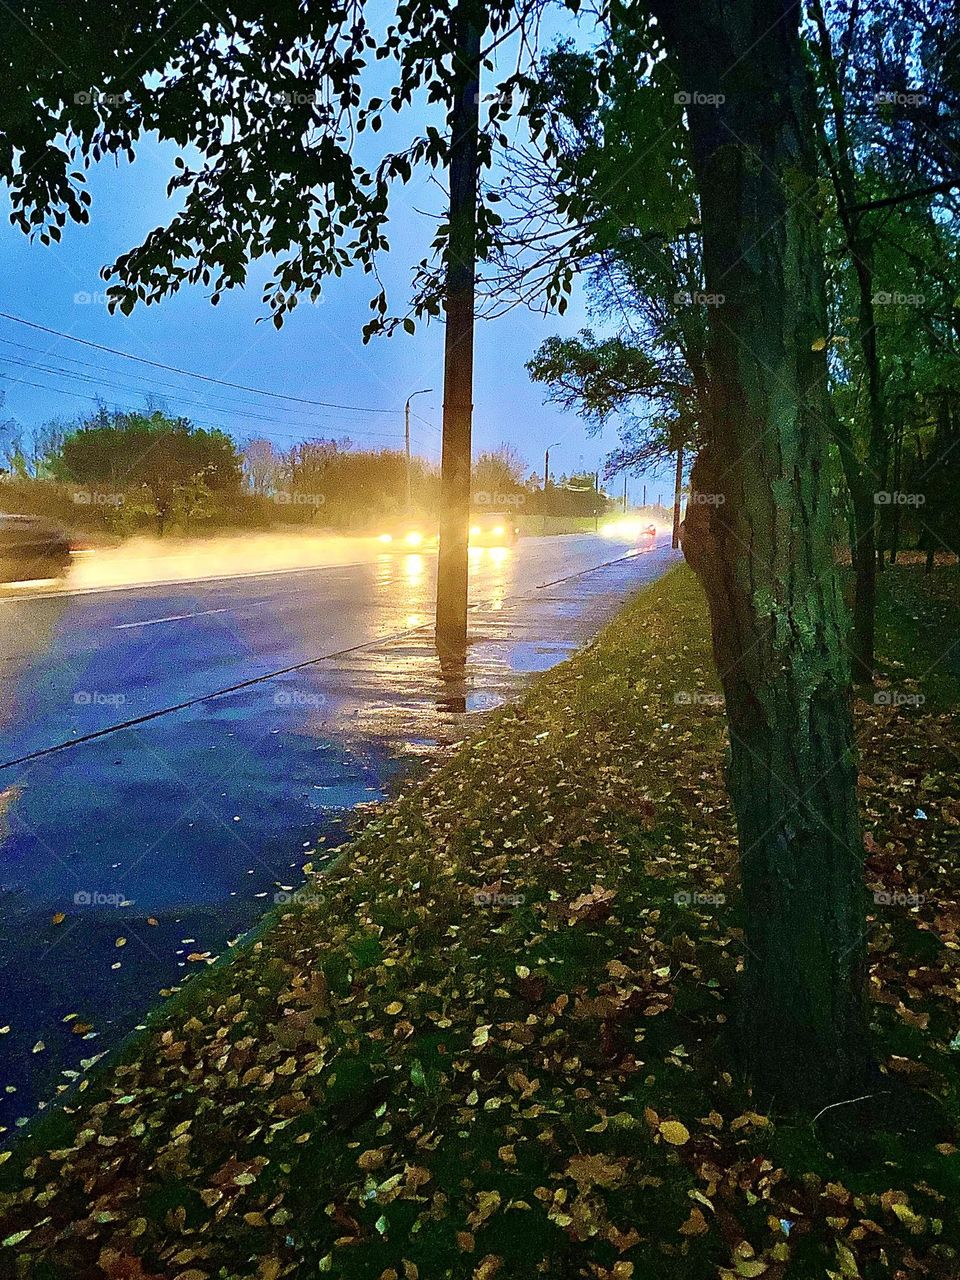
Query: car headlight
{"x": 413, "y": 539}
{"x": 475, "y": 531}
{"x": 498, "y": 531}
{"x": 386, "y": 537}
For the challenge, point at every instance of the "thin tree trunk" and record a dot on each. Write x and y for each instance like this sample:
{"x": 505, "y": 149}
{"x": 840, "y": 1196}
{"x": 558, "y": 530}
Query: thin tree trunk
{"x": 897, "y": 481}
{"x": 839, "y": 162}
{"x": 862, "y": 551}
{"x": 677, "y": 497}
{"x": 765, "y": 552}
{"x": 452, "y": 561}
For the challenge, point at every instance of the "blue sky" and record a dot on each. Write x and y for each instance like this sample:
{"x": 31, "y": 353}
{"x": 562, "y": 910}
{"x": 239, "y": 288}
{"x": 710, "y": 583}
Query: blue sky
{"x": 317, "y": 355}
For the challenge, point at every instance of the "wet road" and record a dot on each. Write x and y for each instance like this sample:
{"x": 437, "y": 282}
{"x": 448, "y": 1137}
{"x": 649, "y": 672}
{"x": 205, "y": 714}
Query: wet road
{"x": 171, "y": 756}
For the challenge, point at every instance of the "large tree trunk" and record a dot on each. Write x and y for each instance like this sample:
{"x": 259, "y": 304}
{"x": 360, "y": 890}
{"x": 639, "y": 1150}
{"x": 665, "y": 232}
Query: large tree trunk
{"x": 763, "y": 549}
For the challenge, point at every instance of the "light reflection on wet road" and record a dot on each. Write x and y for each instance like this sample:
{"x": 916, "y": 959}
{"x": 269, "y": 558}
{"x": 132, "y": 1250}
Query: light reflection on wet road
{"x": 177, "y": 831}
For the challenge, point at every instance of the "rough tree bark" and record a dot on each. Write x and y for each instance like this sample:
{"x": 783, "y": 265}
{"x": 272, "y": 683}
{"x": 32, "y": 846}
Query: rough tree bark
{"x": 763, "y": 549}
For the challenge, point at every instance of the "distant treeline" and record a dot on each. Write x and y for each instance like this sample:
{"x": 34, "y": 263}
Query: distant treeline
{"x": 117, "y": 474}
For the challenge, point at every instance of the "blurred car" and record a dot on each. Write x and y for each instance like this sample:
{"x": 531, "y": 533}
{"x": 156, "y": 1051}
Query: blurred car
{"x": 408, "y": 535}
{"x": 32, "y": 548}
{"x": 493, "y": 529}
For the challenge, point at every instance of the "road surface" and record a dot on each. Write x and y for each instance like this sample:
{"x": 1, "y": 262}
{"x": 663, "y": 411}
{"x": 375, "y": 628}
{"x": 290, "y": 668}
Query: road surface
{"x": 172, "y": 754}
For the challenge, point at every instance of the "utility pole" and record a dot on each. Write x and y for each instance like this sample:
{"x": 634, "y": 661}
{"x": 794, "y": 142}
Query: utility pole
{"x": 596, "y": 501}
{"x": 406, "y": 439}
{"x": 624, "y": 494}
{"x": 460, "y": 287}
{"x": 644, "y": 495}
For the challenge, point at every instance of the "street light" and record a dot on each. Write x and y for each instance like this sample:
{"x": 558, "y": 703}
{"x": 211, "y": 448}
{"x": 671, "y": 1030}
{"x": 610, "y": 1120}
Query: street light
{"x": 546, "y": 469}
{"x": 406, "y": 434}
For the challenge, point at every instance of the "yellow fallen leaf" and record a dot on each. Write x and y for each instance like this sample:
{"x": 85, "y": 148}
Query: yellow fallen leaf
{"x": 488, "y": 1268}
{"x": 120, "y": 942}
{"x": 58, "y": 918}
{"x": 394, "y": 1007}
{"x": 373, "y": 1158}
{"x": 675, "y": 1133}
{"x": 695, "y": 1225}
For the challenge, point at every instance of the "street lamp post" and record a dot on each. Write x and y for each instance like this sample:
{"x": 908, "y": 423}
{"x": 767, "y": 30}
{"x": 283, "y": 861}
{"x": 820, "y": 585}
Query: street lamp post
{"x": 406, "y": 435}
{"x": 546, "y": 474}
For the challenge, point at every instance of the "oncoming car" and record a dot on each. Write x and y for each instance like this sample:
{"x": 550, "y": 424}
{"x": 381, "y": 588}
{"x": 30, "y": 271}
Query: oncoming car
{"x": 493, "y": 529}
{"x": 32, "y": 548}
{"x": 408, "y": 535}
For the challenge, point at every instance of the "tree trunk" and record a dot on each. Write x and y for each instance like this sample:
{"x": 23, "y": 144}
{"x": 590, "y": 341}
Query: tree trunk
{"x": 677, "y": 497}
{"x": 863, "y": 556}
{"x": 897, "y": 481}
{"x": 763, "y": 550}
{"x": 452, "y": 559}
{"x": 840, "y": 164}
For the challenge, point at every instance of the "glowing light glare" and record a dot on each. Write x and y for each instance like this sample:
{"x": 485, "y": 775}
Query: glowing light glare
{"x": 386, "y": 537}
{"x": 623, "y": 529}
{"x": 414, "y": 620}
{"x": 413, "y": 538}
{"x": 498, "y": 531}
{"x": 475, "y": 531}
{"x": 413, "y": 568}
{"x": 499, "y": 554}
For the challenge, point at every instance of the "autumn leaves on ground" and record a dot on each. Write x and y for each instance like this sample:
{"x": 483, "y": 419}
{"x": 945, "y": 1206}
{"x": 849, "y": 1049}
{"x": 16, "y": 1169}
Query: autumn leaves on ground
{"x": 495, "y": 1039}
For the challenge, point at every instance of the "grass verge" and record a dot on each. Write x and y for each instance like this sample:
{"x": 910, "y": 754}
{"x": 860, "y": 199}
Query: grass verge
{"x": 490, "y": 1040}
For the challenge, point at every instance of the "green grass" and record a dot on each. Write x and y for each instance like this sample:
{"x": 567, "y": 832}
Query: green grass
{"x": 462, "y": 1057}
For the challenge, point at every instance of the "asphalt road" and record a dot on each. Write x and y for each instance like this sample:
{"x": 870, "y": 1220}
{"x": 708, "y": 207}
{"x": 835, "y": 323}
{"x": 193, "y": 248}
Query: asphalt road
{"x": 170, "y": 755}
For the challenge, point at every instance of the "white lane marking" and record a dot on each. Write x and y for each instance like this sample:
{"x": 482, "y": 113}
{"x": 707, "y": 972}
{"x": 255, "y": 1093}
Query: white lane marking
{"x": 174, "y": 617}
